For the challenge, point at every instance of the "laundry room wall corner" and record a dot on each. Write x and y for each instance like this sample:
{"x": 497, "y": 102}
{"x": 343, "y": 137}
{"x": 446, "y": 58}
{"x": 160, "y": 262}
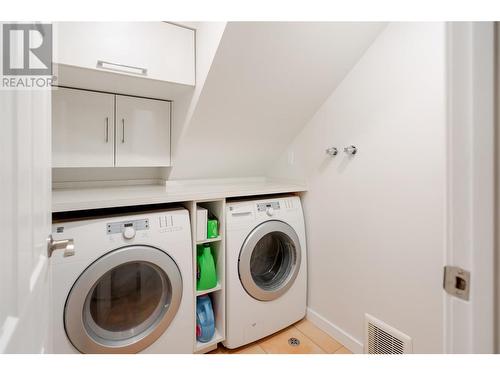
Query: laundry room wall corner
{"x": 375, "y": 221}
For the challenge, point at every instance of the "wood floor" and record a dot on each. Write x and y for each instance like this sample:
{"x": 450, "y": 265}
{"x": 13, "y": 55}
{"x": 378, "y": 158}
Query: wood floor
{"x": 312, "y": 341}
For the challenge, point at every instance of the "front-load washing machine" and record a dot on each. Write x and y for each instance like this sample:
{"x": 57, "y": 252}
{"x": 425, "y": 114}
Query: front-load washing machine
{"x": 128, "y": 288}
{"x": 266, "y": 267}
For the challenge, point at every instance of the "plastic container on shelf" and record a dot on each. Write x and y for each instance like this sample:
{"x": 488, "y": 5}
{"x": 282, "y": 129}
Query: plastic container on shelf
{"x": 212, "y": 228}
{"x": 205, "y": 320}
{"x": 206, "y": 274}
{"x": 201, "y": 223}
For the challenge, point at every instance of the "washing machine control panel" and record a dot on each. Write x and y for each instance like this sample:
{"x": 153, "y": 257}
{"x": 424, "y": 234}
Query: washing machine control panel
{"x": 128, "y": 228}
{"x": 268, "y": 206}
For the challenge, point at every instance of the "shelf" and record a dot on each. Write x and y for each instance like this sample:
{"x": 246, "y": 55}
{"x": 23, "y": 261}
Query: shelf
{"x": 208, "y": 240}
{"x": 214, "y": 289}
{"x": 215, "y": 340}
{"x": 217, "y": 209}
{"x": 87, "y": 196}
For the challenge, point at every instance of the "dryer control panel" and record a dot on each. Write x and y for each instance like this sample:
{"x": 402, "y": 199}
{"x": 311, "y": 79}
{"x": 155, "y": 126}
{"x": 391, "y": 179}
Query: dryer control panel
{"x": 265, "y": 206}
{"x": 279, "y": 208}
{"x": 122, "y": 226}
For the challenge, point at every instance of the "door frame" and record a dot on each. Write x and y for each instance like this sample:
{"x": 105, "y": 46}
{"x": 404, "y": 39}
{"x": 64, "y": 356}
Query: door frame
{"x": 469, "y": 325}
{"x": 497, "y": 188}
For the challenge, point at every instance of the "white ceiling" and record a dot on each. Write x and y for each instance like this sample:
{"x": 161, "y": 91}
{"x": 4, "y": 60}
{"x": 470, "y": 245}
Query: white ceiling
{"x": 266, "y": 81}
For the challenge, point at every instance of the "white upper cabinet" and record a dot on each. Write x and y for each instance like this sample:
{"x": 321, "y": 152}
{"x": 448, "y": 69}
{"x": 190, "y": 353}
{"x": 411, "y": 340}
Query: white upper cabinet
{"x": 151, "y": 50}
{"x": 82, "y": 128}
{"x": 142, "y": 132}
{"x": 94, "y": 129}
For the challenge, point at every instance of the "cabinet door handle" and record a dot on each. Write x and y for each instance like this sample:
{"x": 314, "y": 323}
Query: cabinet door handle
{"x": 123, "y": 130}
{"x": 107, "y": 130}
{"x": 122, "y": 68}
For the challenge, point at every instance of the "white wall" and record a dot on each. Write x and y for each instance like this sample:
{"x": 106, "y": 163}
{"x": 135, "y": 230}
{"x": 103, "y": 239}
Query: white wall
{"x": 208, "y": 37}
{"x": 376, "y": 222}
{"x": 266, "y": 81}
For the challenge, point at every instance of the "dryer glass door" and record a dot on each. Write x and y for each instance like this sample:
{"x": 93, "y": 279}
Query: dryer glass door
{"x": 269, "y": 260}
{"x": 123, "y": 301}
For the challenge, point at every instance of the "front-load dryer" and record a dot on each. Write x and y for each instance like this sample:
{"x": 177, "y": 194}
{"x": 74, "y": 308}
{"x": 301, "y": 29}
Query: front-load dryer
{"x": 129, "y": 286}
{"x": 266, "y": 266}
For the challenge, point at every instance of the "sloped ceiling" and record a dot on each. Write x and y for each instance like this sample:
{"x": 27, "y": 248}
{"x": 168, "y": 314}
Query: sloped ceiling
{"x": 266, "y": 81}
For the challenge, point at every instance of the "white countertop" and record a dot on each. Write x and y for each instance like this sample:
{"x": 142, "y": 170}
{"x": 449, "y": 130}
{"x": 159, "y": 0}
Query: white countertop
{"x": 85, "y": 198}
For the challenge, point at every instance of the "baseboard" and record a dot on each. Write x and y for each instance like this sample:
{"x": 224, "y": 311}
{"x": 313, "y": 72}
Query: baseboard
{"x": 337, "y": 333}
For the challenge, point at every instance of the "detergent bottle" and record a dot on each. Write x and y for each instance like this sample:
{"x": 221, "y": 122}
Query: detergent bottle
{"x": 205, "y": 321}
{"x": 206, "y": 276}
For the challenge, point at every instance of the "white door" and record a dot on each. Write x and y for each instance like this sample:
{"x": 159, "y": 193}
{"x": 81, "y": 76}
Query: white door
{"x": 25, "y": 201}
{"x": 83, "y": 132}
{"x": 142, "y": 132}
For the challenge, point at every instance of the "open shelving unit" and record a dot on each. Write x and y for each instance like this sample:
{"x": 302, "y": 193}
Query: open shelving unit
{"x": 217, "y": 294}
{"x": 202, "y": 292}
{"x": 208, "y": 240}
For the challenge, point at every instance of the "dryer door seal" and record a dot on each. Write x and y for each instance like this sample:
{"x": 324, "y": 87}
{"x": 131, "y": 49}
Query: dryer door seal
{"x": 124, "y": 301}
{"x": 269, "y": 260}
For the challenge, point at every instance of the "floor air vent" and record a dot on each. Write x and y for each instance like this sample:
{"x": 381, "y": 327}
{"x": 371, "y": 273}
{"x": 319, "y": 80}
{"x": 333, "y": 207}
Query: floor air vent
{"x": 381, "y": 338}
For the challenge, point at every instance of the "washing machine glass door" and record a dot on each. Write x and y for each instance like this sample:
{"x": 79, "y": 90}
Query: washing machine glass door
{"x": 269, "y": 260}
{"x": 123, "y": 301}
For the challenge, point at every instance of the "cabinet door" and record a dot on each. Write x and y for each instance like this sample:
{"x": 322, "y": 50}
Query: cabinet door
{"x": 156, "y": 50}
{"x": 142, "y": 132}
{"x": 82, "y": 128}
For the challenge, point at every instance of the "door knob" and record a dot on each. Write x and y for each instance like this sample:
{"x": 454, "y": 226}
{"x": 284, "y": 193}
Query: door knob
{"x": 351, "y": 150}
{"x": 67, "y": 245}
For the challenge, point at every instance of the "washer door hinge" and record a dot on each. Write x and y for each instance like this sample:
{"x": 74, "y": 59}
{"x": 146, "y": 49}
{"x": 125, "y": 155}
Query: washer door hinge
{"x": 457, "y": 282}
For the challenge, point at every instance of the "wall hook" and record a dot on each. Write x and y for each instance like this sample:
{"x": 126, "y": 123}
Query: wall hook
{"x": 332, "y": 151}
{"x": 351, "y": 150}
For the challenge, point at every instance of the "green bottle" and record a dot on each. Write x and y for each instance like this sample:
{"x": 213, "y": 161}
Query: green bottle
{"x": 206, "y": 273}
{"x": 212, "y": 228}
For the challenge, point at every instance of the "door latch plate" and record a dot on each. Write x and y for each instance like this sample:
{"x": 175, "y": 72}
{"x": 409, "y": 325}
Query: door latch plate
{"x": 457, "y": 282}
